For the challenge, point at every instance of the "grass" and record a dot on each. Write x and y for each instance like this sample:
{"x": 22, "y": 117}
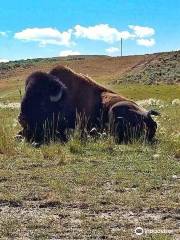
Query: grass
{"x": 91, "y": 189}
{"x": 133, "y": 91}
{"x": 140, "y": 91}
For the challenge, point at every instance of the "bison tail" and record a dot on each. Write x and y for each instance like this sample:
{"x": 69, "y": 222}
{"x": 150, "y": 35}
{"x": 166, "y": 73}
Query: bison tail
{"x": 153, "y": 112}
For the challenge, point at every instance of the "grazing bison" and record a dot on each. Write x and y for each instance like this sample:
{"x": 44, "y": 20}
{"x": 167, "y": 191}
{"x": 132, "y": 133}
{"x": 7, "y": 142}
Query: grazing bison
{"x": 63, "y": 99}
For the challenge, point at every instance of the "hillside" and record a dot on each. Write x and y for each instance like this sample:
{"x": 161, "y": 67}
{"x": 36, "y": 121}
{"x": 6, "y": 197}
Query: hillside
{"x": 148, "y": 69}
{"x": 155, "y": 68}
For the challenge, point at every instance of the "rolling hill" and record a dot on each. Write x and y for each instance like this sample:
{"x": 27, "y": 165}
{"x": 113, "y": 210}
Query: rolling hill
{"x": 148, "y": 69}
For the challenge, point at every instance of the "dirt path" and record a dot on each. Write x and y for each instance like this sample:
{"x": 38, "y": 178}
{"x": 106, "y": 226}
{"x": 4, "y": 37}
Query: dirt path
{"x": 80, "y": 221}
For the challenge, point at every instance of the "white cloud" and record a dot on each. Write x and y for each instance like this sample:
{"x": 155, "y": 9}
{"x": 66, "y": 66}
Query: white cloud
{"x": 112, "y": 50}
{"x": 4, "y": 60}
{"x": 3, "y": 34}
{"x": 45, "y": 36}
{"x": 142, "y": 32}
{"x": 68, "y": 53}
{"x": 101, "y": 32}
{"x": 146, "y": 42}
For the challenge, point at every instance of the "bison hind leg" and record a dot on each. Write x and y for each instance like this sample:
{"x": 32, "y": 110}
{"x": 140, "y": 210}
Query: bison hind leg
{"x": 118, "y": 129}
{"x": 124, "y": 124}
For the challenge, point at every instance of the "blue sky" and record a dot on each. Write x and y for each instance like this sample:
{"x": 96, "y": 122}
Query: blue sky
{"x": 47, "y": 28}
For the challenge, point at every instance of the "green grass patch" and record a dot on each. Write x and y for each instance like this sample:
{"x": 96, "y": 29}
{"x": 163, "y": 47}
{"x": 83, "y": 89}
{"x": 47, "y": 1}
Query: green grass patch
{"x": 95, "y": 187}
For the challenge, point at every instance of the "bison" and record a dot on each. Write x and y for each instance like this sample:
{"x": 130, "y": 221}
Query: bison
{"x": 105, "y": 109}
{"x": 45, "y": 110}
{"x": 63, "y": 98}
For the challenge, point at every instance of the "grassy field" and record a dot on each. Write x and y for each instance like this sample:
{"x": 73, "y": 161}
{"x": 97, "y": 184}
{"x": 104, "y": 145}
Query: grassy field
{"x": 94, "y": 189}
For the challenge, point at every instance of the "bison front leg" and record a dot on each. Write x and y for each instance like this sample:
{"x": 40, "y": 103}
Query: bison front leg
{"x": 23, "y": 134}
{"x": 61, "y": 136}
{"x": 20, "y": 136}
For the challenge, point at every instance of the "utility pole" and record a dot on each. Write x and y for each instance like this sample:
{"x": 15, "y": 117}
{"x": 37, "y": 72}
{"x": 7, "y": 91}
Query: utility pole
{"x": 121, "y": 47}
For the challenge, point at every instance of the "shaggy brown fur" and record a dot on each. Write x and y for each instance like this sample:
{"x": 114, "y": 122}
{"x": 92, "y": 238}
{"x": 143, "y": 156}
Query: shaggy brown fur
{"x": 98, "y": 104}
{"x": 87, "y": 96}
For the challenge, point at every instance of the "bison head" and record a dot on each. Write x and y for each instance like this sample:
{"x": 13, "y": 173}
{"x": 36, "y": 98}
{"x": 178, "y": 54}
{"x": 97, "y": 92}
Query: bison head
{"x": 42, "y": 106}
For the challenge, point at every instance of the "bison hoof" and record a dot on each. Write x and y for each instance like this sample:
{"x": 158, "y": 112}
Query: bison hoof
{"x": 93, "y": 132}
{"x": 104, "y": 135}
{"x": 19, "y": 137}
{"x": 36, "y": 144}
{"x": 154, "y": 141}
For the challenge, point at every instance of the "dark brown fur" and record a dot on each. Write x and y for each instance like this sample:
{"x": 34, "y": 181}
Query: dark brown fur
{"x": 82, "y": 98}
{"x": 88, "y": 97}
{"x": 96, "y": 102}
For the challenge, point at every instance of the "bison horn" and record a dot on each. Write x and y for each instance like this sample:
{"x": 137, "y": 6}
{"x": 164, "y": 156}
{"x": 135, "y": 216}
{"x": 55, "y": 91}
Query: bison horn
{"x": 57, "y": 97}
